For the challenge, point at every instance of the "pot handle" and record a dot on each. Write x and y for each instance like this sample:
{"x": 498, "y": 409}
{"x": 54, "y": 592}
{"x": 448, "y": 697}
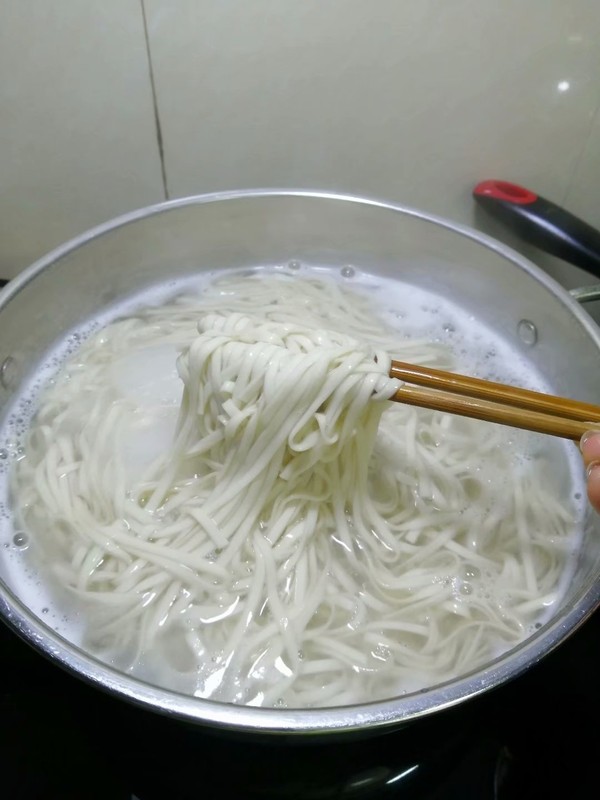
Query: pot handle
{"x": 542, "y": 223}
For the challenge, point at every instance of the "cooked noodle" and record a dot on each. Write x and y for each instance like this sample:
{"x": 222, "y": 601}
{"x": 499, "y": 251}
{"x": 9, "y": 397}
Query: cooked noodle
{"x": 301, "y": 541}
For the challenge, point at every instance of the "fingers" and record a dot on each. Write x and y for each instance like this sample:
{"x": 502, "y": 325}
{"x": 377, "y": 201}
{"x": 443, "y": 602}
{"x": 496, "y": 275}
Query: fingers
{"x": 593, "y": 486}
{"x": 590, "y": 450}
{"x": 590, "y": 447}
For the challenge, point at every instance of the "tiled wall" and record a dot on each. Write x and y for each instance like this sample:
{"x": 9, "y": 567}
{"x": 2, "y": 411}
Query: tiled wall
{"x": 105, "y": 107}
{"x": 77, "y": 135}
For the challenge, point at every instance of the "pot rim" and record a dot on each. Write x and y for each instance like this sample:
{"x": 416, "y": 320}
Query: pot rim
{"x": 378, "y": 715}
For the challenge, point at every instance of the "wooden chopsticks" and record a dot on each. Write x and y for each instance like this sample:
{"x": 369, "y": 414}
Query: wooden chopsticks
{"x": 494, "y": 402}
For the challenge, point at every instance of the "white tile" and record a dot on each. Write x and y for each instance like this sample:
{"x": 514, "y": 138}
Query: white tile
{"x": 412, "y": 100}
{"x": 77, "y": 135}
{"x": 583, "y": 195}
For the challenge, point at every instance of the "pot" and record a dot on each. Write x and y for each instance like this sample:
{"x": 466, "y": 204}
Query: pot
{"x": 225, "y": 230}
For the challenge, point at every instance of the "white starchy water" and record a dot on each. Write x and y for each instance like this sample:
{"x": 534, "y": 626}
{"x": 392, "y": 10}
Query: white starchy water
{"x": 149, "y": 391}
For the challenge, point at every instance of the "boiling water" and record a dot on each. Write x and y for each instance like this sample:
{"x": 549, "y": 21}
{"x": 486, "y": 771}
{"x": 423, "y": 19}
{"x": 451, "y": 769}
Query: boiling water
{"x": 152, "y": 385}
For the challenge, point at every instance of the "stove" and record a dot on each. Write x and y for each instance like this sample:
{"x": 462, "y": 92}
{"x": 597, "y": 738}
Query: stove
{"x": 535, "y": 737}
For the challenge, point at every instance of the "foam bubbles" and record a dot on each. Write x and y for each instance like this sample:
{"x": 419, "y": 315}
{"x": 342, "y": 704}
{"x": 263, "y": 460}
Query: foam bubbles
{"x": 21, "y": 540}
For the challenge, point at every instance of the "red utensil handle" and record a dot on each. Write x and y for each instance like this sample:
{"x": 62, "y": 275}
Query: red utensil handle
{"x": 542, "y": 223}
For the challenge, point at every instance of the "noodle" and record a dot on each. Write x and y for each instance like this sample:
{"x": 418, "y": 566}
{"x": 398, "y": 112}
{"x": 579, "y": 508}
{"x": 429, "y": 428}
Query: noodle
{"x": 297, "y": 540}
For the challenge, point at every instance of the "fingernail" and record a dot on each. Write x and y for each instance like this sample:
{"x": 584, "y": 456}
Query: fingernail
{"x": 592, "y": 467}
{"x": 586, "y": 436}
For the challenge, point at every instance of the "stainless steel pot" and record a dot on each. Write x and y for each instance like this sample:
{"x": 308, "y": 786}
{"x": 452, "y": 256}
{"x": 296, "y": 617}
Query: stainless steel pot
{"x": 212, "y": 232}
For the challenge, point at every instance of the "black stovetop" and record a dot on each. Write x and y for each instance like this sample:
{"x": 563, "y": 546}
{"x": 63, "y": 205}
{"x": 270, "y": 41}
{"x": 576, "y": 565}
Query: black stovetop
{"x": 536, "y": 737}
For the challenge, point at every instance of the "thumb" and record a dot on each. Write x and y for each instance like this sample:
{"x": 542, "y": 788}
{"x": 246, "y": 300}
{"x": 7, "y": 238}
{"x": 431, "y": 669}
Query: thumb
{"x": 590, "y": 450}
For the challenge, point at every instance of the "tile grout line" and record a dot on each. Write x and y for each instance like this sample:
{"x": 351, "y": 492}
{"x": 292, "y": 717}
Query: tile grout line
{"x": 159, "y": 137}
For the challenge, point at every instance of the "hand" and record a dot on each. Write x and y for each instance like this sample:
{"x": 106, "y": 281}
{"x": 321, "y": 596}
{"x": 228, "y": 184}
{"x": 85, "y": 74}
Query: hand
{"x": 590, "y": 449}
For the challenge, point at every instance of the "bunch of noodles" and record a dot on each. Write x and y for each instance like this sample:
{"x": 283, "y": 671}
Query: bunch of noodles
{"x": 301, "y": 541}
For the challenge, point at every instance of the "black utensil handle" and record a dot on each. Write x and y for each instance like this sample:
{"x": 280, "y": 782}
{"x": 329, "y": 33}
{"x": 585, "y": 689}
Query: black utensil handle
{"x": 542, "y": 223}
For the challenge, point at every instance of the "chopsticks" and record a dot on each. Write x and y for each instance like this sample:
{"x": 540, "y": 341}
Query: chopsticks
{"x": 493, "y": 402}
